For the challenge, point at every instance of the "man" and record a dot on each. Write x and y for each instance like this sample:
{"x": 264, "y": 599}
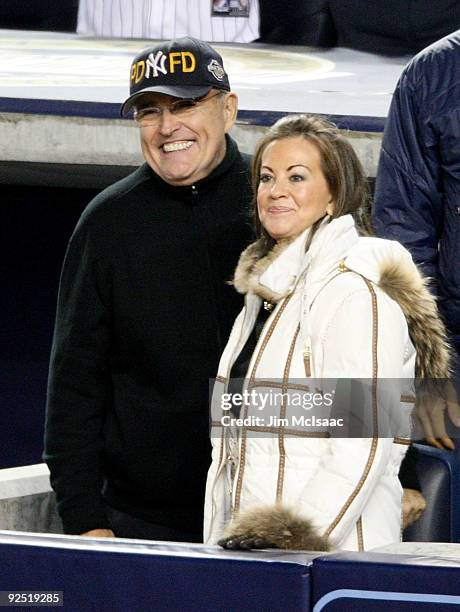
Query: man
{"x": 417, "y": 196}
{"x": 144, "y": 310}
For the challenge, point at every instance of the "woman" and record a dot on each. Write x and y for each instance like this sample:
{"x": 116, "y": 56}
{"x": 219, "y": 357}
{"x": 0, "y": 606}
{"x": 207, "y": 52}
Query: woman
{"x": 321, "y": 304}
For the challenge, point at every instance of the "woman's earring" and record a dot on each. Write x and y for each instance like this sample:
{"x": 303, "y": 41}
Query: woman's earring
{"x": 330, "y": 208}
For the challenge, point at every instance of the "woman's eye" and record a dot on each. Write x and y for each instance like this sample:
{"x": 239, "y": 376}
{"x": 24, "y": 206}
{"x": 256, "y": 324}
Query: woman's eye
{"x": 264, "y": 178}
{"x": 296, "y": 178}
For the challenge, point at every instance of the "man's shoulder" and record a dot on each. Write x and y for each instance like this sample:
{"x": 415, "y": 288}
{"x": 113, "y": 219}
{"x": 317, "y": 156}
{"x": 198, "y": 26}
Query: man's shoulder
{"x": 107, "y": 206}
{"x": 109, "y": 210}
{"x": 435, "y": 64}
{"x": 105, "y": 202}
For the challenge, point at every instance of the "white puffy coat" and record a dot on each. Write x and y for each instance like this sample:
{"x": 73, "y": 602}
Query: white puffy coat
{"x": 331, "y": 320}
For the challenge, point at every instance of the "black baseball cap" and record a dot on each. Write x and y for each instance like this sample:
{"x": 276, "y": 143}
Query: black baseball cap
{"x": 184, "y": 68}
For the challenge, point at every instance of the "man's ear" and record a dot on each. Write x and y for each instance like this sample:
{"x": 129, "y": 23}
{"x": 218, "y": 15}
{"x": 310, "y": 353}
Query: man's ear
{"x": 230, "y": 108}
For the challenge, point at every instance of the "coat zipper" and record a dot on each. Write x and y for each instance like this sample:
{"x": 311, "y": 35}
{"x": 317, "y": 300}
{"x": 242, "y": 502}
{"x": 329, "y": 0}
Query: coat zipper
{"x": 307, "y": 360}
{"x": 307, "y": 353}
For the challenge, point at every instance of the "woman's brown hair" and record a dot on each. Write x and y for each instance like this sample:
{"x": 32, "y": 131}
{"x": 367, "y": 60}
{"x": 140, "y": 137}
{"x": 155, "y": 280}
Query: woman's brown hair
{"x": 340, "y": 165}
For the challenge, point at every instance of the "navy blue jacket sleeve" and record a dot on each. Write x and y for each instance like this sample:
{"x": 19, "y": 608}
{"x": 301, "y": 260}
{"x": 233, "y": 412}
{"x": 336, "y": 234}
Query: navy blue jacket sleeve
{"x": 408, "y": 202}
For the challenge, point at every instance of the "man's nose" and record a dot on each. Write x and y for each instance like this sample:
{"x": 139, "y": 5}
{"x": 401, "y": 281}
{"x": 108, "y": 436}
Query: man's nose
{"x": 168, "y": 121}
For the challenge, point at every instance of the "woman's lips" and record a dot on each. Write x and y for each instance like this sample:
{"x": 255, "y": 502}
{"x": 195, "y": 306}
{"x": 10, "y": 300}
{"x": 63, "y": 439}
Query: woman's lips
{"x": 278, "y": 210}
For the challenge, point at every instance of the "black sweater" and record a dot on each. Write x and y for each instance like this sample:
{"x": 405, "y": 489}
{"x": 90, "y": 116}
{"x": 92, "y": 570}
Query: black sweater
{"x": 144, "y": 313}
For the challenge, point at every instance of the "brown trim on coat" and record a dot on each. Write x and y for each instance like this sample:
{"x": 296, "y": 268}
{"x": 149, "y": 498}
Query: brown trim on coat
{"x": 282, "y": 451}
{"x": 374, "y": 443}
{"x": 359, "y": 533}
{"x": 404, "y": 441}
{"x": 266, "y": 384}
{"x": 242, "y": 457}
{"x": 222, "y": 444}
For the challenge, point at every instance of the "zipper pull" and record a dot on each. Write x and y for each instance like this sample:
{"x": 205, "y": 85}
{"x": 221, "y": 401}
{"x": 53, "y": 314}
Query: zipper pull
{"x": 307, "y": 359}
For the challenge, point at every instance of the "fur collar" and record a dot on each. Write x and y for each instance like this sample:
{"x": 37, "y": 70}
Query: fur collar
{"x": 404, "y": 283}
{"x": 272, "y": 274}
{"x": 253, "y": 262}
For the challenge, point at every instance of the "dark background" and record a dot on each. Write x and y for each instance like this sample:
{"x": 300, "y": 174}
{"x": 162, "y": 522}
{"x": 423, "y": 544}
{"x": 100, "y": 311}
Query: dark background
{"x": 51, "y": 15}
{"x": 37, "y": 223}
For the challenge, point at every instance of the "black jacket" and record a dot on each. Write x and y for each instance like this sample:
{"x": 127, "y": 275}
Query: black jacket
{"x": 143, "y": 315}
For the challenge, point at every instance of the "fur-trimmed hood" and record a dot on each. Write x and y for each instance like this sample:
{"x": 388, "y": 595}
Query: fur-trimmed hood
{"x": 337, "y": 247}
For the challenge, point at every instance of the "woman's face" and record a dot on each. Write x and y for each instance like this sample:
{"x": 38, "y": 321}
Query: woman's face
{"x": 292, "y": 192}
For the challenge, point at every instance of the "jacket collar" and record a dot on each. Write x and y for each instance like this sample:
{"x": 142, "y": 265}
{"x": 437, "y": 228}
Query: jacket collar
{"x": 274, "y": 275}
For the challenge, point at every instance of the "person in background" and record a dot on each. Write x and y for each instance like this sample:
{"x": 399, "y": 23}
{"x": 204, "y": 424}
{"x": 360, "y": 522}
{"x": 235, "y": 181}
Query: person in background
{"x": 167, "y": 19}
{"x": 322, "y": 303}
{"x": 417, "y": 196}
{"x": 144, "y": 309}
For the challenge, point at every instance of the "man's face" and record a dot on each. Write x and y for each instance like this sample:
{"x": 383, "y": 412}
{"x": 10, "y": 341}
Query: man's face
{"x": 184, "y": 147}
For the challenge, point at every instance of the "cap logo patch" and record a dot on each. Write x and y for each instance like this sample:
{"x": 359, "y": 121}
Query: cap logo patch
{"x": 159, "y": 62}
{"x": 216, "y": 70}
{"x": 156, "y": 63}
